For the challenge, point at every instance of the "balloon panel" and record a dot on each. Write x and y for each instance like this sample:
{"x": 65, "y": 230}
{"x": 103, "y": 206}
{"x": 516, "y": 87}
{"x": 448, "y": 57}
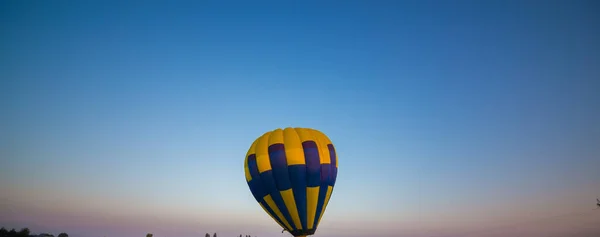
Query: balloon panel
{"x": 291, "y": 174}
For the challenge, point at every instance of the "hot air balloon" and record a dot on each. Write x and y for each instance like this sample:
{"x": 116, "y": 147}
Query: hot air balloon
{"x": 291, "y": 174}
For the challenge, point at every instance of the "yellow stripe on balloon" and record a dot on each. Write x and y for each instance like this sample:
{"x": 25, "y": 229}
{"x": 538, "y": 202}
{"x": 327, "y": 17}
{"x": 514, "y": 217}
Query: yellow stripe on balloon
{"x": 312, "y": 198}
{"x": 321, "y": 146}
{"x": 327, "y": 142}
{"x": 246, "y": 168}
{"x": 247, "y": 172}
{"x": 275, "y": 137}
{"x": 262, "y": 153}
{"x": 273, "y": 207}
{"x": 324, "y": 137}
{"x": 304, "y": 134}
{"x": 290, "y": 203}
{"x": 293, "y": 147}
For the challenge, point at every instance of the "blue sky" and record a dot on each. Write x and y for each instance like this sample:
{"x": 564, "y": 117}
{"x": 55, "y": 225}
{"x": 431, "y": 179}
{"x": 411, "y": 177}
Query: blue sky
{"x": 449, "y": 117}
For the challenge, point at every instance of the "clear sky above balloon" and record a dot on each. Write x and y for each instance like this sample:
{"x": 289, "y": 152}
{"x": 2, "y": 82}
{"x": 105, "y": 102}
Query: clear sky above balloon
{"x": 470, "y": 118}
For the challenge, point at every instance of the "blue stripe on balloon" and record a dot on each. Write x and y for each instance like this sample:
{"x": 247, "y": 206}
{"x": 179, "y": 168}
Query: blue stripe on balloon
{"x": 270, "y": 186}
{"x": 320, "y": 203}
{"x": 257, "y": 189}
{"x": 313, "y": 163}
{"x": 325, "y": 174}
{"x": 333, "y": 175}
{"x": 298, "y": 179}
{"x": 332, "y": 154}
{"x": 255, "y": 185}
{"x": 252, "y": 166}
{"x": 279, "y": 166}
{"x": 333, "y": 169}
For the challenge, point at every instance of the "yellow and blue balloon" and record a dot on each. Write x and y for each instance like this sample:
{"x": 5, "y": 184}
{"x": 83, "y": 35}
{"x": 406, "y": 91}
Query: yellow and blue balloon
{"x": 291, "y": 173}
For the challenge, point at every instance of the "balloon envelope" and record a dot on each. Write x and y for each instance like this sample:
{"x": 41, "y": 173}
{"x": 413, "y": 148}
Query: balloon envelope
{"x": 291, "y": 174}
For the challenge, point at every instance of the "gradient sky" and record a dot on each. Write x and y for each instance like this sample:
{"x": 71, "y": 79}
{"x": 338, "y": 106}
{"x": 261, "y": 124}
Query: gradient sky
{"x": 450, "y": 118}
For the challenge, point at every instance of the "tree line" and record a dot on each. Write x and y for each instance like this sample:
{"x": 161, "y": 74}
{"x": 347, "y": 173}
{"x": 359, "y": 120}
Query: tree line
{"x": 25, "y": 232}
{"x": 215, "y": 235}
{"x": 207, "y": 235}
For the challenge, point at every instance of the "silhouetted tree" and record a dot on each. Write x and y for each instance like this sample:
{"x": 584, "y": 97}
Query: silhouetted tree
{"x": 12, "y": 232}
{"x": 63, "y": 235}
{"x": 3, "y": 232}
{"x": 24, "y": 232}
{"x": 215, "y": 235}
{"x": 207, "y": 235}
{"x": 147, "y": 235}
